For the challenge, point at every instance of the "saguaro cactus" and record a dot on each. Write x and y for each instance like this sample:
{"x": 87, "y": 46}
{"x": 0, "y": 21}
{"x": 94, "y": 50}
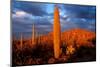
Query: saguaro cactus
{"x": 33, "y": 35}
{"x": 56, "y": 33}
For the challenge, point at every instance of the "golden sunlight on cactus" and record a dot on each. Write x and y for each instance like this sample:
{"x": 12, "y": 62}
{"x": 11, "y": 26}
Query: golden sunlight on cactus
{"x": 33, "y": 35}
{"x": 21, "y": 41}
{"x": 56, "y": 33}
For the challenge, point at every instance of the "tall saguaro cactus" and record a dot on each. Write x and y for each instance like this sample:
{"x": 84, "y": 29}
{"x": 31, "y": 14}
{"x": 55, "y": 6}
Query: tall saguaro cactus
{"x": 56, "y": 33}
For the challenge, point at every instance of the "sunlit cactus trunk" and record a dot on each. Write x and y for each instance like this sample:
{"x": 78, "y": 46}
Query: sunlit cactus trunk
{"x": 33, "y": 35}
{"x": 56, "y": 33}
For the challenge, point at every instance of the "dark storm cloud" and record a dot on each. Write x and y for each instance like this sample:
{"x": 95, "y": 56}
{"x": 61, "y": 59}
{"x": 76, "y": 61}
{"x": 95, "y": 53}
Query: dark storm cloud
{"x": 21, "y": 27}
{"x": 43, "y": 25}
{"x": 21, "y": 24}
{"x": 35, "y": 13}
{"x": 78, "y": 16}
{"x": 71, "y": 23}
{"x": 80, "y": 11}
{"x": 42, "y": 21}
{"x": 41, "y": 15}
{"x": 36, "y": 9}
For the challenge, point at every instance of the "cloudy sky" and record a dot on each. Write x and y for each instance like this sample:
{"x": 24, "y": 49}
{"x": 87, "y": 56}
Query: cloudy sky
{"x": 25, "y": 14}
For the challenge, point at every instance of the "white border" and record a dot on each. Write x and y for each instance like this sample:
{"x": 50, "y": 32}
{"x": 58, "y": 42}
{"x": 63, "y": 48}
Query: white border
{"x": 5, "y": 33}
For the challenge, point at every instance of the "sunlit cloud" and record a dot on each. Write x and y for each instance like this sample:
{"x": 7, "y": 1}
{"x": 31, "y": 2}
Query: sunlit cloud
{"x": 20, "y": 13}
